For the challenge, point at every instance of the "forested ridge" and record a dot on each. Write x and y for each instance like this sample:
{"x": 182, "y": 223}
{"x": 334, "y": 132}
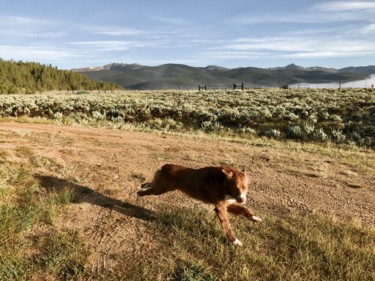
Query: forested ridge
{"x": 31, "y": 77}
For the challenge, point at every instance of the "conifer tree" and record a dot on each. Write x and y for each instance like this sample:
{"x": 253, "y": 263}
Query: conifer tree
{"x": 30, "y": 77}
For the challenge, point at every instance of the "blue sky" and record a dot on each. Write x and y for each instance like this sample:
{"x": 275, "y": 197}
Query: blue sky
{"x": 237, "y": 33}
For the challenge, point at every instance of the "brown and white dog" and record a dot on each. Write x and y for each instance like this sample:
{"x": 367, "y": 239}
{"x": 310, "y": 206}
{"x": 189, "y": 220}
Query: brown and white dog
{"x": 224, "y": 187}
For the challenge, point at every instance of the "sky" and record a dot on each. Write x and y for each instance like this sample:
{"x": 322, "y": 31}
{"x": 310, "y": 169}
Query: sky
{"x": 236, "y": 33}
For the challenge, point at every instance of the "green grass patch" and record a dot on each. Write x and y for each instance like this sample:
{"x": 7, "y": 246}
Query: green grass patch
{"x": 297, "y": 247}
{"x": 61, "y": 255}
{"x": 24, "y": 206}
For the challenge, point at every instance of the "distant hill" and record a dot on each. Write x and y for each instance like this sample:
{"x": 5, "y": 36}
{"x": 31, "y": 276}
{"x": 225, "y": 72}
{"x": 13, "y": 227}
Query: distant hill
{"x": 179, "y": 76}
{"x": 361, "y": 69}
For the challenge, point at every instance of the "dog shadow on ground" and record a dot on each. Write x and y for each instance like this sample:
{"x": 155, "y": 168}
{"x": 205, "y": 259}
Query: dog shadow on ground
{"x": 86, "y": 194}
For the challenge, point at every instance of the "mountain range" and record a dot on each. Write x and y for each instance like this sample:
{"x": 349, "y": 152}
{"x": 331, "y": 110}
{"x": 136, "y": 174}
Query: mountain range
{"x": 179, "y": 76}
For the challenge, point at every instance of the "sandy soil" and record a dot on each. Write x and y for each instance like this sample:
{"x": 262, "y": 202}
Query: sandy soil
{"x": 107, "y": 167}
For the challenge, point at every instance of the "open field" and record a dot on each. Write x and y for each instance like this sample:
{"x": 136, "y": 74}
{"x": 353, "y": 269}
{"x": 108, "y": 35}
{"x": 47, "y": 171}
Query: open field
{"x": 69, "y": 210}
{"x": 344, "y": 117}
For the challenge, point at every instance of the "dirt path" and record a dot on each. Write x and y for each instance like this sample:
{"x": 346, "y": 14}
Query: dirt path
{"x": 108, "y": 166}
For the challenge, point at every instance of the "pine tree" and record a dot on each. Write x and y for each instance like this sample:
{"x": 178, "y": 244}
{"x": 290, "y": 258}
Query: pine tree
{"x": 29, "y": 77}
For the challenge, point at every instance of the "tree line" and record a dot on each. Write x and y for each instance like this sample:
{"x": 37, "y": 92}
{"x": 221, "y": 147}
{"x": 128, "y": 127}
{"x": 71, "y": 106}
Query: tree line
{"x": 31, "y": 77}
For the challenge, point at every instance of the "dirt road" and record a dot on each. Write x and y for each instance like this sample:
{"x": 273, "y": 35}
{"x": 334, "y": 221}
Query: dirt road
{"x": 107, "y": 167}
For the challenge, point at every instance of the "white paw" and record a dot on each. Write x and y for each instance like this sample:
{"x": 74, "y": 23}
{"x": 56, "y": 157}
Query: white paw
{"x": 237, "y": 242}
{"x": 255, "y": 218}
{"x": 146, "y": 185}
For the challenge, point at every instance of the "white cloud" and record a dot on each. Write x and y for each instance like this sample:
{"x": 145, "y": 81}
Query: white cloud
{"x": 271, "y": 44}
{"x": 293, "y": 47}
{"x": 323, "y": 12}
{"x": 6, "y": 20}
{"x": 340, "y": 6}
{"x": 46, "y": 34}
{"x": 32, "y": 34}
{"x": 230, "y": 55}
{"x": 34, "y": 53}
{"x": 369, "y": 29}
{"x": 118, "y": 31}
{"x": 171, "y": 21}
{"x": 110, "y": 45}
{"x": 305, "y": 17}
{"x": 18, "y": 27}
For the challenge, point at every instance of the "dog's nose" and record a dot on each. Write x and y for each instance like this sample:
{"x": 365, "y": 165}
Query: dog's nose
{"x": 241, "y": 199}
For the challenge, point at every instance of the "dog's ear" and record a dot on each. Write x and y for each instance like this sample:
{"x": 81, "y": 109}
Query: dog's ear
{"x": 229, "y": 174}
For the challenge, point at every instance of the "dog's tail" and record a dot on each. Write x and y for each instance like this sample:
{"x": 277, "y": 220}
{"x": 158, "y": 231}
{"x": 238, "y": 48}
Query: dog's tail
{"x": 146, "y": 185}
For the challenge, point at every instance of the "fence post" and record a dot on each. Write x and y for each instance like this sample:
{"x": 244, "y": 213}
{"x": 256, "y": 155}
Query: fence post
{"x": 202, "y": 88}
{"x": 242, "y": 86}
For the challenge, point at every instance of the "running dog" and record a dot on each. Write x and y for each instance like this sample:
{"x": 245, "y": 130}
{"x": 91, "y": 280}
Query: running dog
{"x": 224, "y": 187}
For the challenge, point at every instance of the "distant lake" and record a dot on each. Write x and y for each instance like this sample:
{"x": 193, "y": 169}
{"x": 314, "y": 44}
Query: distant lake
{"x": 367, "y": 83}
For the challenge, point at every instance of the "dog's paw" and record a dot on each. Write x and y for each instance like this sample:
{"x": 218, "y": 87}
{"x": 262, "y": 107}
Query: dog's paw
{"x": 146, "y": 185}
{"x": 139, "y": 193}
{"x": 237, "y": 243}
{"x": 255, "y": 218}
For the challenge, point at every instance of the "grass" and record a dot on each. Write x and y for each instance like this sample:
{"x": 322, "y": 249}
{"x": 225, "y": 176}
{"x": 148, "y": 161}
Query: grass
{"x": 34, "y": 120}
{"x": 297, "y": 247}
{"x": 35, "y": 160}
{"x": 24, "y": 206}
{"x": 294, "y": 246}
{"x": 192, "y": 245}
{"x": 309, "y": 115}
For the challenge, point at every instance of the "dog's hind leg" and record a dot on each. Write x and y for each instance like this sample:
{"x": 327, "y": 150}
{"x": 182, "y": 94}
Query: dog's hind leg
{"x": 155, "y": 188}
{"x": 151, "y": 191}
{"x": 236, "y": 209}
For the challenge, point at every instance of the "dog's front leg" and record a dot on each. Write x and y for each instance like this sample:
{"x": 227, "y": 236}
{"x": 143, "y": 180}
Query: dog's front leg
{"x": 222, "y": 213}
{"x": 241, "y": 210}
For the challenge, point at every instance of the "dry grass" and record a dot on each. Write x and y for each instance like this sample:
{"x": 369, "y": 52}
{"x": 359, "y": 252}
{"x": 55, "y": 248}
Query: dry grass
{"x": 189, "y": 242}
{"x": 309, "y": 115}
{"x": 296, "y": 247}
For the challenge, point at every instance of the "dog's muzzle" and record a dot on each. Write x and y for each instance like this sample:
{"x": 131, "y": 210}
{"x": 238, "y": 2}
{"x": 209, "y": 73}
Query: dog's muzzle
{"x": 241, "y": 199}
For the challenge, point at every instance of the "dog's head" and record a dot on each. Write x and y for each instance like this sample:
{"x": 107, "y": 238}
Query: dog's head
{"x": 236, "y": 183}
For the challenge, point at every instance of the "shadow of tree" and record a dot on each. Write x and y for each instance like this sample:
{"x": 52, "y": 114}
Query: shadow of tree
{"x": 86, "y": 194}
